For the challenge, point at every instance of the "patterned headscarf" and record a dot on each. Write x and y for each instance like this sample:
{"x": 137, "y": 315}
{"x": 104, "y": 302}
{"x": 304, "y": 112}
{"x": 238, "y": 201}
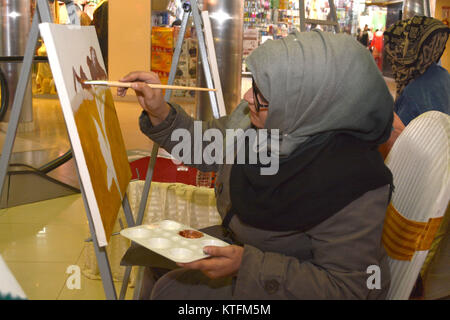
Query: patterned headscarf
{"x": 412, "y": 45}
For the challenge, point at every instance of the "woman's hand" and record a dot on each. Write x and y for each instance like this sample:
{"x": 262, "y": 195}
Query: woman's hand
{"x": 223, "y": 261}
{"x": 151, "y": 100}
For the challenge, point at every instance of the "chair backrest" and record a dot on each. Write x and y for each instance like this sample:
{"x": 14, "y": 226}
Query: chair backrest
{"x": 420, "y": 164}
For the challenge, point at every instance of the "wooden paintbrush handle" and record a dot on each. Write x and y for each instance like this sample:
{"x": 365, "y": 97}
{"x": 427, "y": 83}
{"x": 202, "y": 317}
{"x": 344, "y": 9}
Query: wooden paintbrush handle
{"x": 165, "y": 86}
{"x": 157, "y": 86}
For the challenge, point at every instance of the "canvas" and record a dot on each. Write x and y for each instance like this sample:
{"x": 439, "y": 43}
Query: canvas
{"x": 91, "y": 119}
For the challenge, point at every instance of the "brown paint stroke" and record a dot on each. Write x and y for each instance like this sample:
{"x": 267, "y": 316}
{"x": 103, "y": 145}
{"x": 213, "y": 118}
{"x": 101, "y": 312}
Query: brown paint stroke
{"x": 96, "y": 70}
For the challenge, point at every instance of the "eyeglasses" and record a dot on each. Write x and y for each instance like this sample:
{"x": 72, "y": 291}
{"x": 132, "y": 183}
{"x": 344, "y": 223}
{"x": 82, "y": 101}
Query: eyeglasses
{"x": 259, "y": 106}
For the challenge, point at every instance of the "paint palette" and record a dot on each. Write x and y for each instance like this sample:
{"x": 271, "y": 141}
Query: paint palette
{"x": 173, "y": 240}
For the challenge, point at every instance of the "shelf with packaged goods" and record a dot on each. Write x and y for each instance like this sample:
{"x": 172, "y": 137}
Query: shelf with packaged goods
{"x": 164, "y": 40}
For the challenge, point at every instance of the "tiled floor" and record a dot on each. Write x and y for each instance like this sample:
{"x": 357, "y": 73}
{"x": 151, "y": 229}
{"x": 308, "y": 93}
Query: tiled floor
{"x": 40, "y": 241}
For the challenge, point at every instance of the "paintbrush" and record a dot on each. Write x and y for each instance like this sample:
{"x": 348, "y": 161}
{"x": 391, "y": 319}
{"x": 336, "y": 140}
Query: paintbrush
{"x": 151, "y": 85}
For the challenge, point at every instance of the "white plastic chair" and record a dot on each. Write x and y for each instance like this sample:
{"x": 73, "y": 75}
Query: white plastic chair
{"x": 420, "y": 164}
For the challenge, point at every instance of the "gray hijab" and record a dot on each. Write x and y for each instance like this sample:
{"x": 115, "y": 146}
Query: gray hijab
{"x": 317, "y": 83}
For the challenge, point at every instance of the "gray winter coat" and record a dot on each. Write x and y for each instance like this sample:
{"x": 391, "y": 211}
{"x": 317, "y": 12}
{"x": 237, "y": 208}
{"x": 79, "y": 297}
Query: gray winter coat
{"x": 333, "y": 260}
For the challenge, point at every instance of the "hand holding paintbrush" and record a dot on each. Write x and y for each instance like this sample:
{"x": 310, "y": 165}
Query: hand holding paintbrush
{"x": 150, "y": 99}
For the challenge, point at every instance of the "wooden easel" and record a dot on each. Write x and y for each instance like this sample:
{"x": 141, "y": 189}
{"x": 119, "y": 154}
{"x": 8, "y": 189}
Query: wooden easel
{"x": 42, "y": 14}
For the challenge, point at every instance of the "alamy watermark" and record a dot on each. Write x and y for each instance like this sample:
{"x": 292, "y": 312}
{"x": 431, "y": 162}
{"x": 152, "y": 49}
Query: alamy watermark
{"x": 237, "y": 146}
{"x": 74, "y": 280}
{"x": 374, "y": 281}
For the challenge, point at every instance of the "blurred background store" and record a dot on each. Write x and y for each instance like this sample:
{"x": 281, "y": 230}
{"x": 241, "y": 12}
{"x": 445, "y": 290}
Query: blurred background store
{"x": 262, "y": 20}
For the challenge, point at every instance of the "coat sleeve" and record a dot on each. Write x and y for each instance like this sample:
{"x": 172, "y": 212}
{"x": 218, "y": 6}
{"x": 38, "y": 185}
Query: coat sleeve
{"x": 343, "y": 247}
{"x": 179, "y": 129}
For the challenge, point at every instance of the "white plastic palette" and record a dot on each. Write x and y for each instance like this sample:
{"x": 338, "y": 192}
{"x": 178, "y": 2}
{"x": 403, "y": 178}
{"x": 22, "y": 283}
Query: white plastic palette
{"x": 163, "y": 238}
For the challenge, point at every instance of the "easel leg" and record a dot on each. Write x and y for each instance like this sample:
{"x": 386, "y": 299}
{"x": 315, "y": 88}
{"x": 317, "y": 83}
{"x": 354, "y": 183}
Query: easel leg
{"x": 128, "y": 213}
{"x": 130, "y": 223}
{"x": 147, "y": 185}
{"x": 140, "y": 219}
{"x": 18, "y": 99}
{"x": 102, "y": 257}
{"x": 126, "y": 279}
{"x": 204, "y": 58}
{"x": 177, "y": 52}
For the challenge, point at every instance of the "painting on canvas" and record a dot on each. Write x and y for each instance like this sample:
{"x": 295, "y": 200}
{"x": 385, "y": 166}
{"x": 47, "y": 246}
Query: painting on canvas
{"x": 90, "y": 115}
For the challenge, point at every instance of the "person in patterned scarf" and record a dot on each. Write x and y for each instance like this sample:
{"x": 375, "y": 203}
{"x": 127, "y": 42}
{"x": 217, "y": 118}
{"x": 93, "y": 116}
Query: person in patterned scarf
{"x": 414, "y": 48}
